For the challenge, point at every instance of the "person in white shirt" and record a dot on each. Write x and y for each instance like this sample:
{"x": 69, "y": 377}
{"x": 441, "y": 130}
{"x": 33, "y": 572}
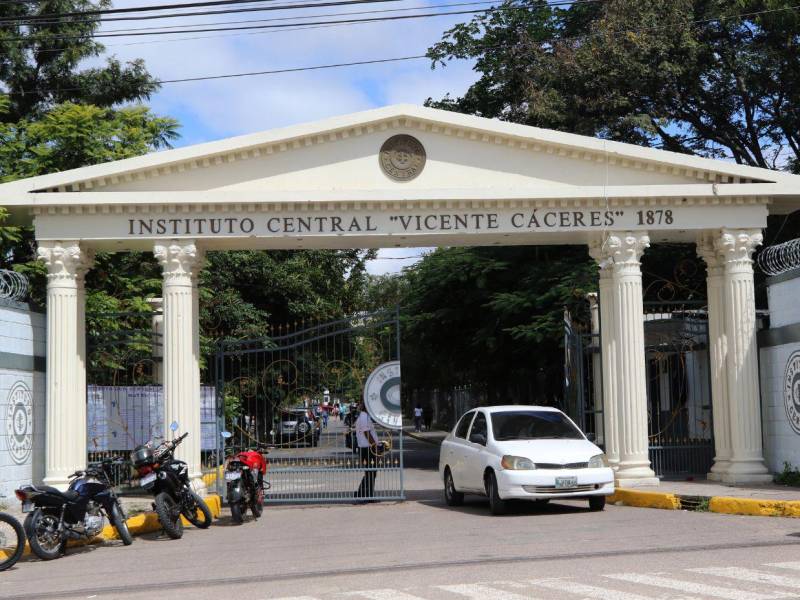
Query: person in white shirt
{"x": 367, "y": 439}
{"x": 418, "y": 418}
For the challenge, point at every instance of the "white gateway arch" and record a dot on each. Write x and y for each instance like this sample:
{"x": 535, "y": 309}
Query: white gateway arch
{"x": 406, "y": 176}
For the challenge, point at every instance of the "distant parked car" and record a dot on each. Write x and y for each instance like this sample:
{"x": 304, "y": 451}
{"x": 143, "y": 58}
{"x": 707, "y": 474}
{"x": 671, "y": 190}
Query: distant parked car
{"x": 522, "y": 452}
{"x": 296, "y": 426}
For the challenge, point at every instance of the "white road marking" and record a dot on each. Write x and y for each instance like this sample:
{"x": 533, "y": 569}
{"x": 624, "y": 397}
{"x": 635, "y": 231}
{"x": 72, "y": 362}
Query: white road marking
{"x": 384, "y": 594}
{"x": 695, "y": 588}
{"x": 588, "y": 591}
{"x": 480, "y": 591}
{"x": 785, "y": 565}
{"x": 751, "y": 575}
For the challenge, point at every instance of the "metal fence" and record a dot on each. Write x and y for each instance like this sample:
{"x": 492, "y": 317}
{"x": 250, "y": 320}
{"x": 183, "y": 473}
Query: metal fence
{"x": 296, "y": 390}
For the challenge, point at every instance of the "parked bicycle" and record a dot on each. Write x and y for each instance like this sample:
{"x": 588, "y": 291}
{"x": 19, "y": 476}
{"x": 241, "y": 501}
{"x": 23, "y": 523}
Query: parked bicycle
{"x": 12, "y": 541}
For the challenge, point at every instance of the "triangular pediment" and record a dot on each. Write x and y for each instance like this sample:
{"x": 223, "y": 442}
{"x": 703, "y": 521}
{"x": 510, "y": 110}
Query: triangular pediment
{"x": 342, "y": 153}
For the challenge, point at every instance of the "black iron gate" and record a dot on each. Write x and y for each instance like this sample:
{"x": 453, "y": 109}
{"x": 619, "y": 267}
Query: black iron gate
{"x": 297, "y": 390}
{"x": 678, "y": 386}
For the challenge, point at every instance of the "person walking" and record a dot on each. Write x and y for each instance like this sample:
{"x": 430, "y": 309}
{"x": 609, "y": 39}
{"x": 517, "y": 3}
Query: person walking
{"x": 418, "y": 418}
{"x": 367, "y": 439}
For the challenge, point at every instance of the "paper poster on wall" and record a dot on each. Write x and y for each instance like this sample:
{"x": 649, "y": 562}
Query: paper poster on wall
{"x": 123, "y": 417}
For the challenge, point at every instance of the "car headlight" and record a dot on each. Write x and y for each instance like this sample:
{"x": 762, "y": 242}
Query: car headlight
{"x": 598, "y": 462}
{"x": 517, "y": 463}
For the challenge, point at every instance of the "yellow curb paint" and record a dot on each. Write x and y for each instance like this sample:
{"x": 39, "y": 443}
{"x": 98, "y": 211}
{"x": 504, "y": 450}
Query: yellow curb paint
{"x": 642, "y": 499}
{"x": 754, "y": 507}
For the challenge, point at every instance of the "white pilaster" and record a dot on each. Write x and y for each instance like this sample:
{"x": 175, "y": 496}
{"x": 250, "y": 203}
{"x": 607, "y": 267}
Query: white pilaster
{"x": 597, "y": 367}
{"x": 180, "y": 261}
{"x": 157, "y": 326}
{"x": 65, "y": 429}
{"x": 622, "y": 339}
{"x": 746, "y": 464}
{"x": 717, "y": 351}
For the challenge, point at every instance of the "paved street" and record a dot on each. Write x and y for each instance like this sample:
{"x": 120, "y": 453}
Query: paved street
{"x": 423, "y": 550}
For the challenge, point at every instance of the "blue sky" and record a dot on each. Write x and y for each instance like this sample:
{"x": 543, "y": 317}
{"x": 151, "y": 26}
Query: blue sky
{"x": 210, "y": 110}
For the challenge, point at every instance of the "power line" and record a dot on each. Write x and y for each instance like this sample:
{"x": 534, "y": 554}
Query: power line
{"x": 274, "y": 26}
{"x": 390, "y": 60}
{"x": 316, "y": 16}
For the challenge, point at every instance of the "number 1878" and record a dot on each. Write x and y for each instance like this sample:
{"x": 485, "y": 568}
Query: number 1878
{"x": 654, "y": 217}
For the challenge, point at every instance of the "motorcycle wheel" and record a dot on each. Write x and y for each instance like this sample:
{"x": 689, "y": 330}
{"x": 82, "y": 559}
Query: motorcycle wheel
{"x": 118, "y": 521}
{"x": 257, "y": 503}
{"x": 169, "y": 515}
{"x": 237, "y": 512}
{"x": 11, "y": 550}
{"x": 43, "y": 534}
{"x": 191, "y": 515}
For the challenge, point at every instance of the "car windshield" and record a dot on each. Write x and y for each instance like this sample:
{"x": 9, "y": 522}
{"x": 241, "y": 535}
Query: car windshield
{"x": 533, "y": 425}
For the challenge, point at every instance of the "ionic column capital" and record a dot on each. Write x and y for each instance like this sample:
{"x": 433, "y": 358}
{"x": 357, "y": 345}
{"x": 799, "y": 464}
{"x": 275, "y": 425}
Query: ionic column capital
{"x": 66, "y": 262}
{"x": 619, "y": 251}
{"x": 707, "y": 250}
{"x": 179, "y": 259}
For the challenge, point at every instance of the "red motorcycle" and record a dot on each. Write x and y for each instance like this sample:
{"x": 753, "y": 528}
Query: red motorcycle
{"x": 244, "y": 477}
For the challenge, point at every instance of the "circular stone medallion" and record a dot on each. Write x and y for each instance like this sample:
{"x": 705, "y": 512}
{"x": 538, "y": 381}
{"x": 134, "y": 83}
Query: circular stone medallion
{"x": 402, "y": 157}
{"x": 791, "y": 391}
{"x": 19, "y": 423}
{"x": 382, "y": 395}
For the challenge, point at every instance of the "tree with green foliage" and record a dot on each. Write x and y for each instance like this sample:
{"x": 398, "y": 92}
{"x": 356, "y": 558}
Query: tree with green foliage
{"x": 41, "y": 60}
{"x": 718, "y": 78}
{"x": 492, "y": 316}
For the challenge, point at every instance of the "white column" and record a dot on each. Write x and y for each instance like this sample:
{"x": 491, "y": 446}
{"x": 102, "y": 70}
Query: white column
{"x": 746, "y": 463}
{"x": 622, "y": 338}
{"x": 65, "y": 429}
{"x": 717, "y": 353}
{"x": 157, "y": 326}
{"x": 180, "y": 260}
{"x": 597, "y": 367}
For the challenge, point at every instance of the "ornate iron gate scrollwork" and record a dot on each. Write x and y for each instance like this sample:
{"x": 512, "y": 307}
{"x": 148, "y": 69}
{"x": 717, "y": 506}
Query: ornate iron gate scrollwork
{"x": 284, "y": 390}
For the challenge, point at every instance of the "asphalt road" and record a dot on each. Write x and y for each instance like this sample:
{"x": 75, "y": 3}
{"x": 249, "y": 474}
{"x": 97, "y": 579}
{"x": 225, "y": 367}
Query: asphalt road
{"x": 423, "y": 550}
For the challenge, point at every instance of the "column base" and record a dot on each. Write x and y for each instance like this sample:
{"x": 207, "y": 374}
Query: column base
{"x": 719, "y": 468}
{"x": 198, "y": 485}
{"x": 746, "y": 478}
{"x": 60, "y": 483}
{"x": 636, "y": 482}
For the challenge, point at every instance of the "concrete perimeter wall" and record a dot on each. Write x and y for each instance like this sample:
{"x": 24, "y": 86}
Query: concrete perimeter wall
{"x": 779, "y": 359}
{"x": 22, "y": 397}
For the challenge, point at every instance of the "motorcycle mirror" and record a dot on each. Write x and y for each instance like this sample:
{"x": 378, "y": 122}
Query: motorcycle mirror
{"x": 226, "y": 434}
{"x": 173, "y": 426}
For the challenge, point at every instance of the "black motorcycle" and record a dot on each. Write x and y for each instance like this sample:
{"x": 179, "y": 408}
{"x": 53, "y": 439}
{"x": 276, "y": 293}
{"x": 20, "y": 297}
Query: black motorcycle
{"x": 168, "y": 480}
{"x": 12, "y": 541}
{"x": 54, "y": 517}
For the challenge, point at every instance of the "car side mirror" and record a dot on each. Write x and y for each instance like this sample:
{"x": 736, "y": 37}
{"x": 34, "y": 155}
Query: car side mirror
{"x": 591, "y": 437}
{"x": 478, "y": 438}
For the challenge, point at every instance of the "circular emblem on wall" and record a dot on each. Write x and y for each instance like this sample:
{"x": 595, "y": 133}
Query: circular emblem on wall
{"x": 791, "y": 391}
{"x": 382, "y": 395}
{"x": 402, "y": 157}
{"x": 19, "y": 423}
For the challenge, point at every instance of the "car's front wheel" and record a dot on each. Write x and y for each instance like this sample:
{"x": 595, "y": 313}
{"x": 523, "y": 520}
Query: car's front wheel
{"x": 451, "y": 495}
{"x": 497, "y": 505}
{"x": 597, "y": 503}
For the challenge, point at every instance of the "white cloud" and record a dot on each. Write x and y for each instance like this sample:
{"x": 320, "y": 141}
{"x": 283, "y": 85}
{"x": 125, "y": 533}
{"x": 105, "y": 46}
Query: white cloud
{"x": 213, "y": 109}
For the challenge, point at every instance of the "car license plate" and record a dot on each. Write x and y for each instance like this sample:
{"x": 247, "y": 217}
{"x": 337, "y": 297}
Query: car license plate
{"x": 565, "y": 483}
{"x": 232, "y": 476}
{"x": 147, "y": 479}
{"x": 27, "y": 506}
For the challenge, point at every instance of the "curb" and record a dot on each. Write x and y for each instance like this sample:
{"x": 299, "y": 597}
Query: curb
{"x": 754, "y": 507}
{"x": 640, "y": 499}
{"x": 422, "y": 439}
{"x": 716, "y": 504}
{"x": 138, "y": 525}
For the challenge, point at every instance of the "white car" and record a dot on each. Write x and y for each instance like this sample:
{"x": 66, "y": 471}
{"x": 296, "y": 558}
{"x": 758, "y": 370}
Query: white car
{"x": 522, "y": 452}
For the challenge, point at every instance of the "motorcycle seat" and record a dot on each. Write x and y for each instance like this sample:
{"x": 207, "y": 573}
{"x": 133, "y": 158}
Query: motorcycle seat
{"x": 68, "y": 494}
